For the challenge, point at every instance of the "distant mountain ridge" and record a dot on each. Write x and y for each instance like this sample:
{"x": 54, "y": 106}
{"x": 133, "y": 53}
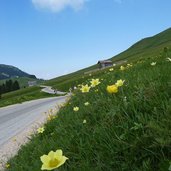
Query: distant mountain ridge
{"x": 9, "y": 71}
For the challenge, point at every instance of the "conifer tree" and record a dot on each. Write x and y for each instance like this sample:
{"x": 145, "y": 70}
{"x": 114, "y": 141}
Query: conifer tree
{"x": 15, "y": 86}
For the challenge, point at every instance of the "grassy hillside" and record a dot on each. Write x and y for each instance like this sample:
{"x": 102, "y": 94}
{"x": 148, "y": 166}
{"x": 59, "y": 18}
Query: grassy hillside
{"x": 146, "y": 48}
{"x": 128, "y": 130}
{"x": 66, "y": 81}
{"x": 23, "y": 81}
{"x": 22, "y": 95}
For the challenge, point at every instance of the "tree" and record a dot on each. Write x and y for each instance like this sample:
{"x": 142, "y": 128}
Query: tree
{"x": 3, "y": 88}
{"x": 0, "y": 91}
{"x": 15, "y": 86}
{"x": 8, "y": 85}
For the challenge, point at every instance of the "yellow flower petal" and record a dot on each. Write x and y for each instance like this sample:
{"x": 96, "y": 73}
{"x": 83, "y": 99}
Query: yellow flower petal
{"x": 85, "y": 88}
{"x": 7, "y": 165}
{"x": 59, "y": 152}
{"x": 52, "y": 160}
{"x": 86, "y": 103}
{"x": 112, "y": 89}
{"x": 122, "y": 68}
{"x": 45, "y": 158}
{"x": 63, "y": 160}
{"x": 76, "y": 109}
{"x": 51, "y": 154}
{"x": 120, "y": 83}
{"x": 94, "y": 82}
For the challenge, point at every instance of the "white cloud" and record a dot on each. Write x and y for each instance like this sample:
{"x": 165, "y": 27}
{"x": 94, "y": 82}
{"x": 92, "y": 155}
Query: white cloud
{"x": 59, "y": 5}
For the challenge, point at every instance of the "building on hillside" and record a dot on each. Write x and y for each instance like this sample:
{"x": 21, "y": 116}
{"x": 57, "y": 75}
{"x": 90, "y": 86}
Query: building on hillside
{"x": 32, "y": 83}
{"x": 105, "y": 63}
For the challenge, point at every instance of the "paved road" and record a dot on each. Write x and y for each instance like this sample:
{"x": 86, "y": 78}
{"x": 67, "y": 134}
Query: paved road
{"x": 48, "y": 89}
{"x": 13, "y": 119}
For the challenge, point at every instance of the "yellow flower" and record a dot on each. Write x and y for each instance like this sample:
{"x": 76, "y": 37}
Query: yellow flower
{"x": 84, "y": 121}
{"x": 153, "y": 63}
{"x": 76, "y": 109}
{"x": 122, "y": 68}
{"x": 50, "y": 117}
{"x": 85, "y": 88}
{"x": 94, "y": 82}
{"x": 129, "y": 65}
{"x": 111, "y": 69}
{"x": 53, "y": 160}
{"x": 7, "y": 165}
{"x": 112, "y": 89}
{"x": 120, "y": 83}
{"x": 86, "y": 103}
{"x": 41, "y": 130}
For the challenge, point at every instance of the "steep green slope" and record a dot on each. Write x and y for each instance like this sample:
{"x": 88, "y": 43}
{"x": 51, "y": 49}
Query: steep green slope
{"x": 129, "y": 130}
{"x": 146, "y": 48}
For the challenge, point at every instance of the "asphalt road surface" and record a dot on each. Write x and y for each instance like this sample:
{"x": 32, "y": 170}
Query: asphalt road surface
{"x": 50, "y": 90}
{"x": 15, "y": 118}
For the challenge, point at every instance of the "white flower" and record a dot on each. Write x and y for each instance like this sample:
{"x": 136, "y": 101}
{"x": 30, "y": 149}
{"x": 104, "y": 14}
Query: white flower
{"x": 84, "y": 121}
{"x": 153, "y": 63}
{"x": 86, "y": 103}
{"x": 169, "y": 59}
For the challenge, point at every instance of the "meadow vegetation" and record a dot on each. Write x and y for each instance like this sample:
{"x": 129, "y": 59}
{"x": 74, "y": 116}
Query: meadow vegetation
{"x": 22, "y": 95}
{"x": 23, "y": 81}
{"x": 120, "y": 122}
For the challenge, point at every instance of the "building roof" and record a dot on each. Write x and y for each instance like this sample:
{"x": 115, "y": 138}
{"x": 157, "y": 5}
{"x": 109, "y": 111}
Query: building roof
{"x": 105, "y": 62}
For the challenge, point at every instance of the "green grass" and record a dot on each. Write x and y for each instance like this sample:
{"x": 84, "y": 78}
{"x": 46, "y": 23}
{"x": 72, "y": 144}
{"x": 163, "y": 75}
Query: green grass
{"x": 22, "y": 95}
{"x": 145, "y": 48}
{"x": 71, "y": 82}
{"x": 126, "y": 131}
{"x": 23, "y": 81}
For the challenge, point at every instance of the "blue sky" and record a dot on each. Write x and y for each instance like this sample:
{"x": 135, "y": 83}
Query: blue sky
{"x": 49, "y": 38}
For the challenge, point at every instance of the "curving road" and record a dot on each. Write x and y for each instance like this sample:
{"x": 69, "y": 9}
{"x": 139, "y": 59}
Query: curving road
{"x": 15, "y": 118}
{"x": 50, "y": 90}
